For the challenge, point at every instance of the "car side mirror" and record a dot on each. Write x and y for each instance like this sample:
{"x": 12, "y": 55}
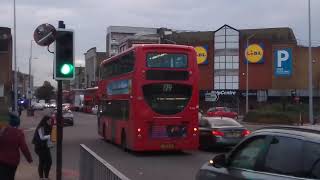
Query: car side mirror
{"x": 219, "y": 161}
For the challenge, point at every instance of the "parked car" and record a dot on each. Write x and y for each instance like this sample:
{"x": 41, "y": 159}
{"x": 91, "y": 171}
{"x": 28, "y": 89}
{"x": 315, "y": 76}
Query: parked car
{"x": 37, "y": 106}
{"x": 66, "y": 106}
{"x": 277, "y": 153}
{"x": 222, "y": 112}
{"x": 68, "y": 118}
{"x": 47, "y": 105}
{"x": 53, "y": 105}
{"x": 220, "y": 131}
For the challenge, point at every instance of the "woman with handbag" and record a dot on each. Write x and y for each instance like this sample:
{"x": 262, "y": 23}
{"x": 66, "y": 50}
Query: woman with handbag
{"x": 41, "y": 141}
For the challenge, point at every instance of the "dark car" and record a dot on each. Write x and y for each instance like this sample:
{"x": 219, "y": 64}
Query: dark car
{"x": 222, "y": 112}
{"x": 68, "y": 119}
{"x": 220, "y": 131}
{"x": 275, "y": 153}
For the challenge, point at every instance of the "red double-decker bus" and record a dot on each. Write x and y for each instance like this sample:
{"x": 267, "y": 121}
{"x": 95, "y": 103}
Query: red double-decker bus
{"x": 149, "y": 98}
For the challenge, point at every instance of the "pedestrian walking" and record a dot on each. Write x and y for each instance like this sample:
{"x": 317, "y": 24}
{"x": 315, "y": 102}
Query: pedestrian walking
{"x": 41, "y": 141}
{"x": 12, "y": 141}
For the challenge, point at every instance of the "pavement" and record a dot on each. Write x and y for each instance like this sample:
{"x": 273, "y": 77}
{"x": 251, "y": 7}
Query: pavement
{"x": 28, "y": 171}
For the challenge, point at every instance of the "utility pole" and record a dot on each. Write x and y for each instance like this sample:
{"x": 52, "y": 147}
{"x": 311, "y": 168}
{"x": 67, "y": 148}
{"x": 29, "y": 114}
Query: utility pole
{"x": 247, "y": 76}
{"x": 15, "y": 86}
{"x": 30, "y": 84}
{"x": 310, "y": 68}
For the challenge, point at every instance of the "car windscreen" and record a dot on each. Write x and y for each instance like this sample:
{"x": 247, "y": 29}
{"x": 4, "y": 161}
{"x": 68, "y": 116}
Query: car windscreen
{"x": 222, "y": 122}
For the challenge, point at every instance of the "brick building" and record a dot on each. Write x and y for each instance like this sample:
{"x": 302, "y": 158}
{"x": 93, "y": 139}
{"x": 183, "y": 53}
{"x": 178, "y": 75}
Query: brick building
{"x": 227, "y": 51}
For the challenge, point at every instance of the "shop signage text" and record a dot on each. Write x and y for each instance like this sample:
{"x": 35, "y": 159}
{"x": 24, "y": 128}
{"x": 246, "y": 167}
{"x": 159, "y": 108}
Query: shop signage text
{"x": 254, "y": 53}
{"x": 202, "y": 54}
{"x": 283, "y": 62}
{"x": 225, "y": 92}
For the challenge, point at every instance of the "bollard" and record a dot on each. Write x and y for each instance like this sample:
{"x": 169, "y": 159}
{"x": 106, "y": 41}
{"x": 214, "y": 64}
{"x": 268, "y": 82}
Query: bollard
{"x": 54, "y": 134}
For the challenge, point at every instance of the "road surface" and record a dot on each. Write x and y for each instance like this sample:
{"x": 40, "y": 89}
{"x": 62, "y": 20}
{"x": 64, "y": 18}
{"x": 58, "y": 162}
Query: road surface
{"x": 136, "y": 166}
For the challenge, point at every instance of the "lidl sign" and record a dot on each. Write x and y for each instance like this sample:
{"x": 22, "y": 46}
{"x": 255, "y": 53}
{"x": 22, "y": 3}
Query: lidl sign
{"x": 202, "y": 54}
{"x": 254, "y": 53}
{"x": 283, "y": 62}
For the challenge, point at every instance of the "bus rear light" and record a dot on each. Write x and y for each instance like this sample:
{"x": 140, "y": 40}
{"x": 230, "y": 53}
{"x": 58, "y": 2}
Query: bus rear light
{"x": 139, "y": 133}
{"x": 195, "y": 131}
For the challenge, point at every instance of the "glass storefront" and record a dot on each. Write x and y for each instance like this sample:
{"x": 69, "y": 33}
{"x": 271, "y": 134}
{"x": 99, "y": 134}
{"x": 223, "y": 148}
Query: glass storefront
{"x": 226, "y": 59}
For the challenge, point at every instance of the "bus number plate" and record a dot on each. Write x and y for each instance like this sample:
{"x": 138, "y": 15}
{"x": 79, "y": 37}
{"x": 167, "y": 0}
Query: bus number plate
{"x": 167, "y": 146}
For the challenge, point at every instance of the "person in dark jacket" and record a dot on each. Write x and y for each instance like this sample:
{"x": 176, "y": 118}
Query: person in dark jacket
{"x": 40, "y": 140}
{"x": 12, "y": 141}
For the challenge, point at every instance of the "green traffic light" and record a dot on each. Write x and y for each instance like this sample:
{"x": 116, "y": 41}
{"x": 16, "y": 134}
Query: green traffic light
{"x": 66, "y": 69}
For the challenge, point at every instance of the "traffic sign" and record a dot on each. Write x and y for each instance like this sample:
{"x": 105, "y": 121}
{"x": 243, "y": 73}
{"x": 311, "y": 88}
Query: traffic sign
{"x": 45, "y": 34}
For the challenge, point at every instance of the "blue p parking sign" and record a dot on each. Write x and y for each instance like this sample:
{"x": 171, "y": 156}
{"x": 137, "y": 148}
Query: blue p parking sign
{"x": 283, "y": 62}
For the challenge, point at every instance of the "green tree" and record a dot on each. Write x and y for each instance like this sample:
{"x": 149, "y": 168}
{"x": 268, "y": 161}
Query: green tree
{"x": 46, "y": 91}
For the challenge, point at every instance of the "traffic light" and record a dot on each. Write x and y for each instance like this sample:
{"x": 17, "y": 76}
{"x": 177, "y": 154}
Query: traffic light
{"x": 64, "y": 55}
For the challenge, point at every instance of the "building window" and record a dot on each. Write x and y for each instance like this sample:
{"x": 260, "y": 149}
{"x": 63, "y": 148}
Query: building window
{"x": 226, "y": 60}
{"x": 226, "y": 82}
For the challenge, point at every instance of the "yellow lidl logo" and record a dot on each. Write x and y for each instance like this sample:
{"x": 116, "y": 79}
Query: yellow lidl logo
{"x": 254, "y": 53}
{"x": 202, "y": 54}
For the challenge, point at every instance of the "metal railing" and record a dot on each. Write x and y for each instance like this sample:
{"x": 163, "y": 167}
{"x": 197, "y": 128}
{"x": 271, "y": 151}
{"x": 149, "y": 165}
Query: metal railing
{"x": 93, "y": 167}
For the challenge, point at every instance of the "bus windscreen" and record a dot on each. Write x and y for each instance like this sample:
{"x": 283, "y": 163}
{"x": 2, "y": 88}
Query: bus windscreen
{"x": 167, "y": 60}
{"x": 167, "y": 99}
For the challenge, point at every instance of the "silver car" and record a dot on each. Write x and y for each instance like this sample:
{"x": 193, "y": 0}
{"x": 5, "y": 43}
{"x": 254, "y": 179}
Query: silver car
{"x": 220, "y": 131}
{"x": 275, "y": 153}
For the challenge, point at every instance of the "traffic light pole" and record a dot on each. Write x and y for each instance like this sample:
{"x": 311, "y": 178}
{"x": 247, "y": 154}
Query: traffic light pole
{"x": 59, "y": 124}
{"x": 59, "y": 131}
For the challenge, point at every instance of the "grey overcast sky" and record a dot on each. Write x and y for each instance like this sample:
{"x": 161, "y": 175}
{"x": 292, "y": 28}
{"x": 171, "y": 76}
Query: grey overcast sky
{"x": 90, "y": 19}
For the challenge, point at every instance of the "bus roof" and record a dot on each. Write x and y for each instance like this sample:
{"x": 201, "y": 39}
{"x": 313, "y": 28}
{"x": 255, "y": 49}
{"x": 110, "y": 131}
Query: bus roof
{"x": 147, "y": 46}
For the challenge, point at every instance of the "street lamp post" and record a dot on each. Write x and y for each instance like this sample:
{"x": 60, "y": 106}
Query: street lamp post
{"x": 30, "y": 84}
{"x": 310, "y": 67}
{"x": 247, "y": 76}
{"x": 15, "y": 58}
